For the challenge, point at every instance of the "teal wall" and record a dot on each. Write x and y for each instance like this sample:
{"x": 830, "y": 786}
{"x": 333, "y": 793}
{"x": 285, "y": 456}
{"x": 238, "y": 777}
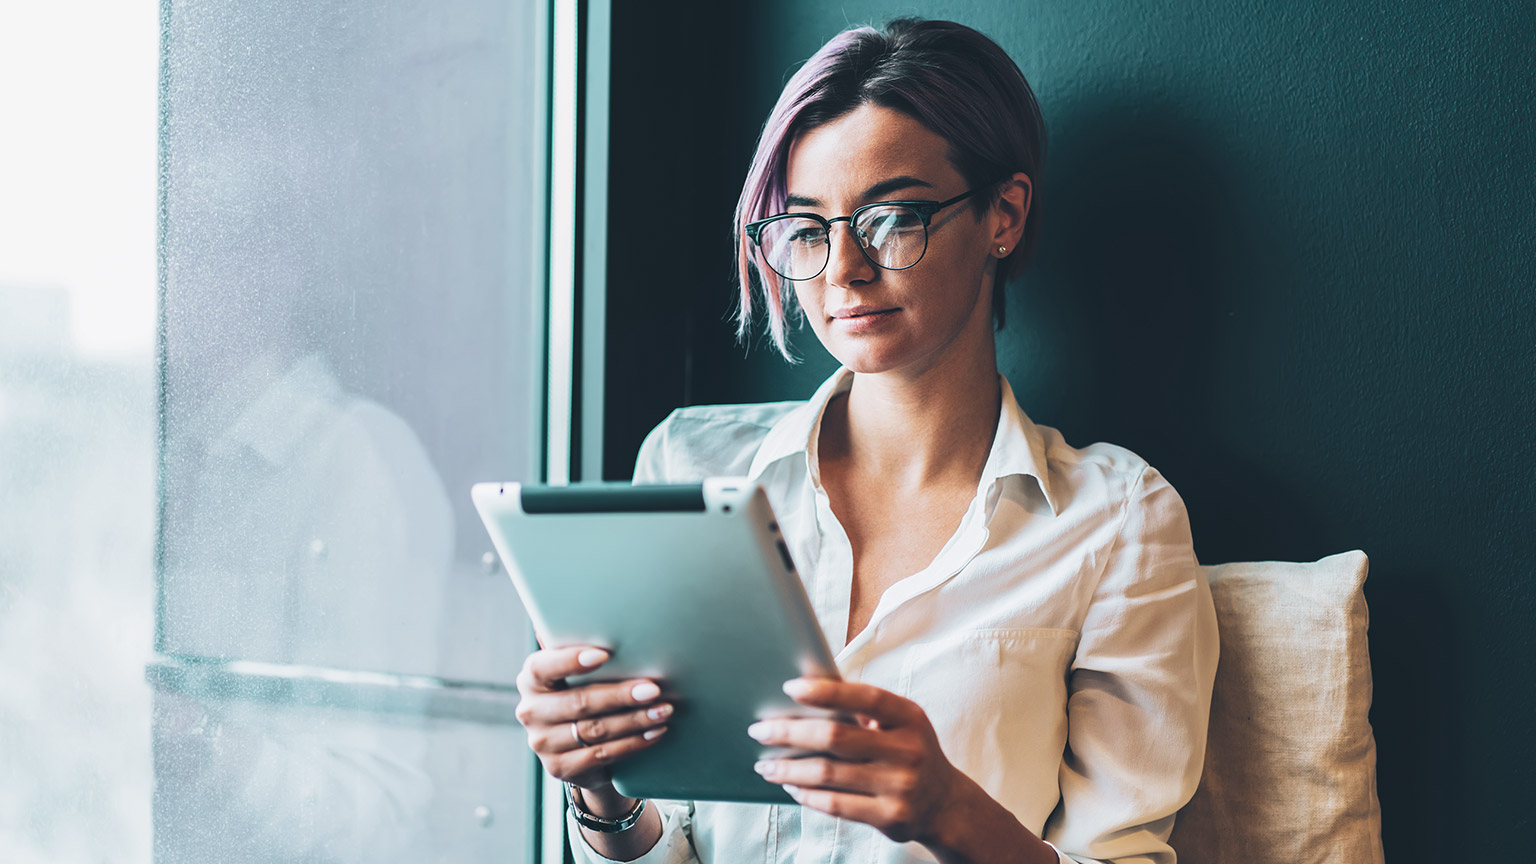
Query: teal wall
{"x": 1288, "y": 255}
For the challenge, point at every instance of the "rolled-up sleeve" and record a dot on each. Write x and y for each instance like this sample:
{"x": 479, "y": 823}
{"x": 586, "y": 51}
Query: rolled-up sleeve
{"x": 1139, "y": 689}
{"x": 674, "y": 847}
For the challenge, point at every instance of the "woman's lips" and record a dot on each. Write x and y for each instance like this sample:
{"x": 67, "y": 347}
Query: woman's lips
{"x": 855, "y": 319}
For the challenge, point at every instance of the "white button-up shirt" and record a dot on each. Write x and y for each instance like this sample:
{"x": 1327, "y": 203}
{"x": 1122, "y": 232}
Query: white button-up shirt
{"x": 1063, "y": 642}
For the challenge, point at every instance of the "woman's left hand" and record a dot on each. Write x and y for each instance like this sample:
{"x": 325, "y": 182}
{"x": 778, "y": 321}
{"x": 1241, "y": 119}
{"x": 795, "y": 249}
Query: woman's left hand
{"x": 886, "y": 769}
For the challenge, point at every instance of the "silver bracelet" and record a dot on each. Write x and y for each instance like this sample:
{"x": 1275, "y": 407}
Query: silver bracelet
{"x": 597, "y": 823}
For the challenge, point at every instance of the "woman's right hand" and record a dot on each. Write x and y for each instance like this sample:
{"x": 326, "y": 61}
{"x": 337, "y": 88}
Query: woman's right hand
{"x": 579, "y": 731}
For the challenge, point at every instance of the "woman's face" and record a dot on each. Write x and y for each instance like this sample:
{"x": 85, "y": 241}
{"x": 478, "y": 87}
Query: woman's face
{"x": 904, "y": 321}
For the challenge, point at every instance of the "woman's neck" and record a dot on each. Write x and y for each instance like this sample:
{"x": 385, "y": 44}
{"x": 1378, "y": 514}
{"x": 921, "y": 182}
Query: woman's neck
{"x": 915, "y": 431}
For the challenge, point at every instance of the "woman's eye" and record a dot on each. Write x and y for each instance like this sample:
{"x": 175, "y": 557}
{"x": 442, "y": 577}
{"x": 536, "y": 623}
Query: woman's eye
{"x": 887, "y": 222}
{"x": 807, "y": 236}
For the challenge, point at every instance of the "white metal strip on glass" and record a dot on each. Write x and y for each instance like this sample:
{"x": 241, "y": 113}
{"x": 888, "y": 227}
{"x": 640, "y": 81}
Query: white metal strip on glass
{"x": 203, "y": 678}
{"x": 562, "y": 244}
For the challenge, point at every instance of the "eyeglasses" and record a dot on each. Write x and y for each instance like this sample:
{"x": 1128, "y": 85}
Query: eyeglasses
{"x": 892, "y": 234}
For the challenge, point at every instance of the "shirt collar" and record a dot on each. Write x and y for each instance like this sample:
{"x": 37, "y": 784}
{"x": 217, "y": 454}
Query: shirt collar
{"x": 1018, "y": 448}
{"x": 274, "y": 422}
{"x": 796, "y": 432}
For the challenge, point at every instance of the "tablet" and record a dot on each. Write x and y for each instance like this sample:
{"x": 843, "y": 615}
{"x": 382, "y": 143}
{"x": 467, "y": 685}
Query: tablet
{"x": 689, "y": 585}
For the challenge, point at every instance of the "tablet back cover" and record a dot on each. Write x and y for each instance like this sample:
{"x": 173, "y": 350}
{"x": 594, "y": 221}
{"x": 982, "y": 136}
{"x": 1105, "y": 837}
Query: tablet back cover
{"x": 687, "y": 585}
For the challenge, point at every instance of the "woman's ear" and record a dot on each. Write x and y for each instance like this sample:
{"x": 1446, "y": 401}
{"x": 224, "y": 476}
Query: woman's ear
{"x": 1010, "y": 213}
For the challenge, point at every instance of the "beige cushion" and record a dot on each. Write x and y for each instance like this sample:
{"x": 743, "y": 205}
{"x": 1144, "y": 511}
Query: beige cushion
{"x": 1290, "y": 766}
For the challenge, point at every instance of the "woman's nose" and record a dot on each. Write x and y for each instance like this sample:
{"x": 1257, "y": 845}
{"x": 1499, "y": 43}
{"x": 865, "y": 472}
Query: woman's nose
{"x": 846, "y": 262}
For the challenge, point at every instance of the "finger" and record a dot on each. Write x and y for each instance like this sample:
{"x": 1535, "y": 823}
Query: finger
{"x": 600, "y": 730}
{"x": 885, "y": 707}
{"x": 890, "y": 816}
{"x": 816, "y": 772}
{"x": 547, "y": 670}
{"x": 560, "y": 707}
{"x": 575, "y": 763}
{"x": 820, "y": 735}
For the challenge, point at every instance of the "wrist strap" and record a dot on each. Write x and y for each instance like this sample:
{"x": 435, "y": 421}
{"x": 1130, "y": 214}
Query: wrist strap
{"x": 597, "y": 823}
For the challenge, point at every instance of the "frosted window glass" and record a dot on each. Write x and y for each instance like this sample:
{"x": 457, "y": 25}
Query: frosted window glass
{"x": 350, "y": 244}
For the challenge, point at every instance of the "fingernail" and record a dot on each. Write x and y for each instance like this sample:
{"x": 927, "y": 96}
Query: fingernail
{"x": 794, "y": 791}
{"x": 760, "y": 731}
{"x": 660, "y": 712}
{"x": 591, "y": 657}
{"x": 645, "y": 691}
{"x": 766, "y": 767}
{"x": 653, "y": 734}
{"x": 797, "y": 687}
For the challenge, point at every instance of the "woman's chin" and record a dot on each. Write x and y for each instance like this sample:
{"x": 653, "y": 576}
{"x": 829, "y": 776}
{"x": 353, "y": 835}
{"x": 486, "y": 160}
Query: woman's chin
{"x": 865, "y": 358}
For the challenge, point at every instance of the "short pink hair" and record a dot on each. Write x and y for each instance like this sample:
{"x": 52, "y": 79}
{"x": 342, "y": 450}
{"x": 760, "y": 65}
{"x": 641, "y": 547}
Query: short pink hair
{"x": 950, "y": 78}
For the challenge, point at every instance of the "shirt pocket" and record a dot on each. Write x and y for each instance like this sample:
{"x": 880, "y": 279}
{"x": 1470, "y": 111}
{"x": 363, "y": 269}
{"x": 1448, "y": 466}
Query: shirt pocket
{"x": 998, "y": 702}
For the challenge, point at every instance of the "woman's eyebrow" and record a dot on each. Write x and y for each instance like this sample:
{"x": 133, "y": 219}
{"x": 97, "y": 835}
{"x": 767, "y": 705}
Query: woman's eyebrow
{"x": 884, "y": 187}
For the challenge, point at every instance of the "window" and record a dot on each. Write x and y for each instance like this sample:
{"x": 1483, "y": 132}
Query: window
{"x": 350, "y": 253}
{"x": 269, "y": 625}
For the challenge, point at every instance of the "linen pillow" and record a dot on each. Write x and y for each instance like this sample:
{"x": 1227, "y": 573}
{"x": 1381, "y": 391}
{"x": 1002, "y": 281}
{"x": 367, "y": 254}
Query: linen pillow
{"x": 1290, "y": 763}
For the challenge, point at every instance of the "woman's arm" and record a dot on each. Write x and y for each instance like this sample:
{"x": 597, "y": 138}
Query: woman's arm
{"x": 607, "y": 803}
{"x": 1139, "y": 688}
{"x": 578, "y": 732}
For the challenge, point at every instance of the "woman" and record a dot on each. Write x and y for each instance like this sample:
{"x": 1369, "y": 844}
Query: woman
{"x": 1024, "y": 635}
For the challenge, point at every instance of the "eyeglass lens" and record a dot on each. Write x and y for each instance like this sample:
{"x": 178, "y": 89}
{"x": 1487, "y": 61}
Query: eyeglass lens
{"x": 892, "y": 237}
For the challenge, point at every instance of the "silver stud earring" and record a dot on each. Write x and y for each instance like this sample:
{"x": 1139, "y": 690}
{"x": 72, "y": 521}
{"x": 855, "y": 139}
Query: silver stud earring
{"x": 1002, "y": 250}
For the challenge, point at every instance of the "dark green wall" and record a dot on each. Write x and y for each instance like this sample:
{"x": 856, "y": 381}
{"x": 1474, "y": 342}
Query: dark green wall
{"x": 1288, "y": 255}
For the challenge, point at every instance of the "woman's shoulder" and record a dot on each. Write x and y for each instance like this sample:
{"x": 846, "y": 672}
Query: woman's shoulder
{"x": 707, "y": 441}
{"x": 1100, "y": 457}
{"x": 1114, "y": 472}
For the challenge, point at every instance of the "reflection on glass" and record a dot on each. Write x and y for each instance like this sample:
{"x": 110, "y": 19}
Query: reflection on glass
{"x": 312, "y": 530}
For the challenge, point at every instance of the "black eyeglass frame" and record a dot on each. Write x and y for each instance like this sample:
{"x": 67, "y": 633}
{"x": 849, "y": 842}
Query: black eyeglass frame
{"x": 925, "y": 211}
